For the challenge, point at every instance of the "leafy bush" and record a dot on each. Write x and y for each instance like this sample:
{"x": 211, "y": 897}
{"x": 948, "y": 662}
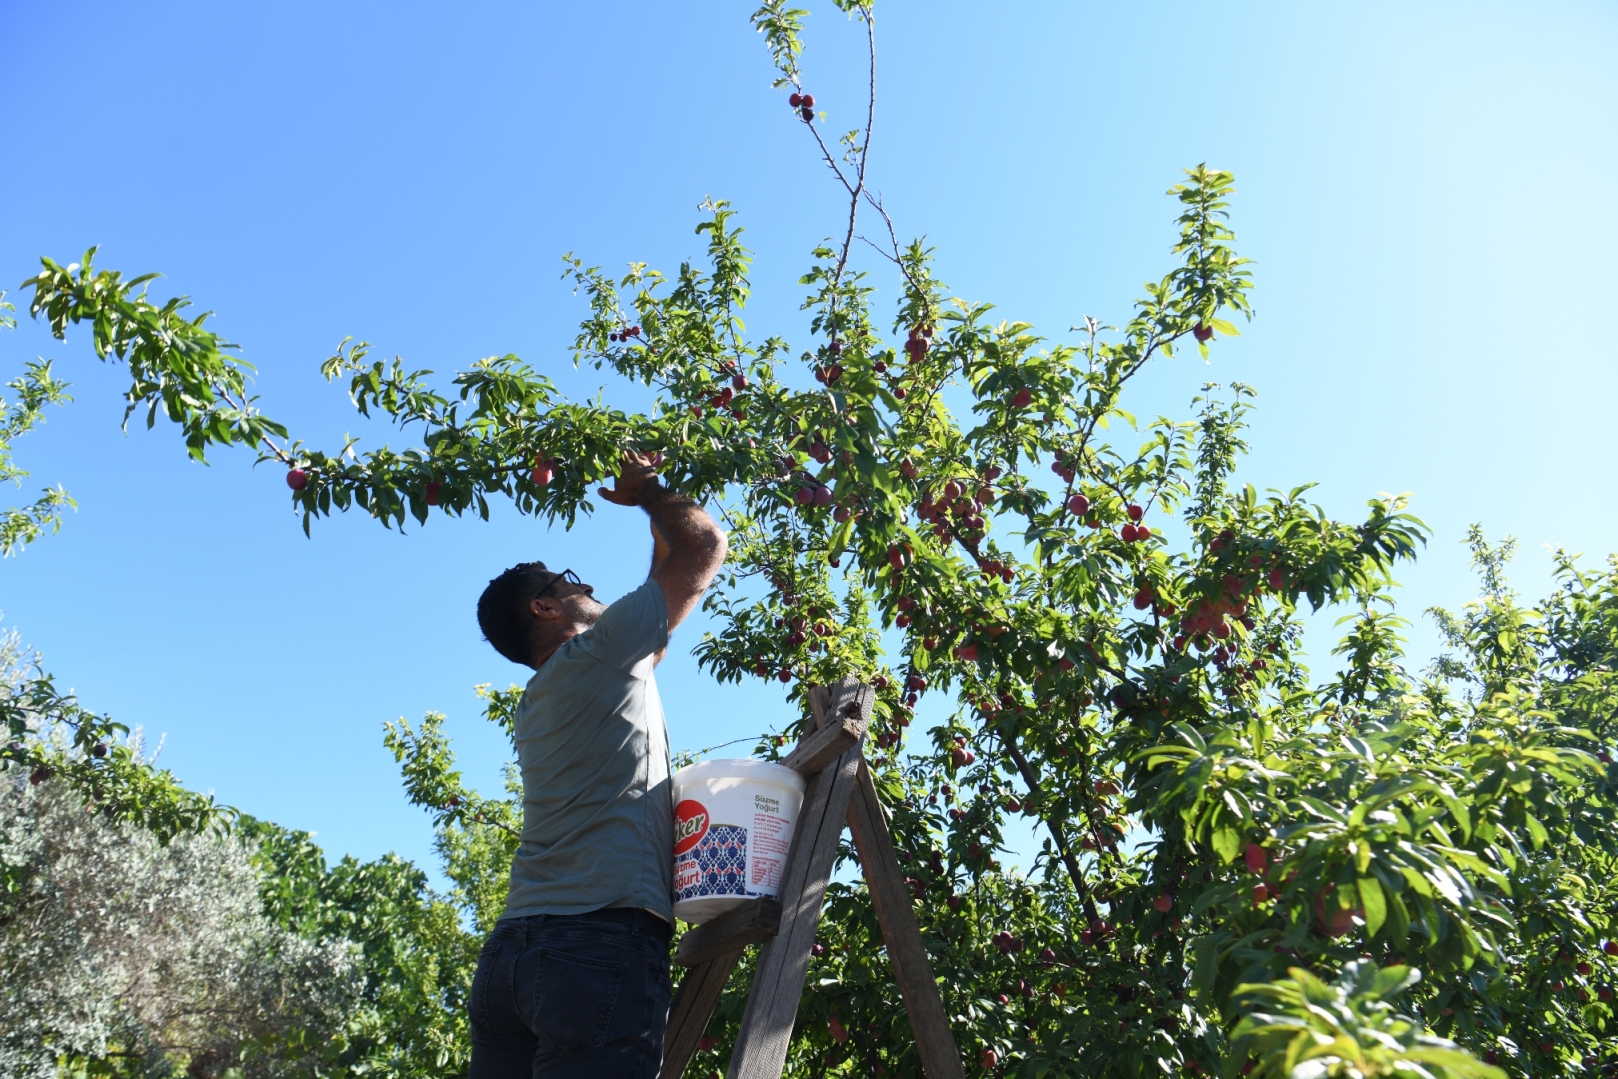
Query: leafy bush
{"x": 121, "y": 955}
{"x": 215, "y": 945}
{"x": 415, "y": 957}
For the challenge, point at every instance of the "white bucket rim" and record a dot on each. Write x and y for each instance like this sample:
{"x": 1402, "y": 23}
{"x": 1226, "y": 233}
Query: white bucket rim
{"x": 748, "y": 768}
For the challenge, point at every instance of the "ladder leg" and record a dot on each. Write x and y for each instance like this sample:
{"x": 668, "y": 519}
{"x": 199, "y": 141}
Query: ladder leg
{"x": 694, "y": 1002}
{"x": 940, "y": 1058}
{"x": 772, "y": 1006}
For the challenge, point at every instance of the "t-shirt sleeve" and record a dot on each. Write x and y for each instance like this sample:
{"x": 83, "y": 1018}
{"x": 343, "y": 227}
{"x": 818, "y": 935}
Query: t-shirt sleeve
{"x": 633, "y": 628}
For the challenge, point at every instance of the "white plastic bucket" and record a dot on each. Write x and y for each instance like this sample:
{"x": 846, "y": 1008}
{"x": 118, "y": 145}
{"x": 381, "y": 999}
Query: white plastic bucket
{"x": 733, "y": 822}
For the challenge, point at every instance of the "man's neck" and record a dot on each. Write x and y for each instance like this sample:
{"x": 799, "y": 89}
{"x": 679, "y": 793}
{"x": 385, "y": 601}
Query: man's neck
{"x": 546, "y": 651}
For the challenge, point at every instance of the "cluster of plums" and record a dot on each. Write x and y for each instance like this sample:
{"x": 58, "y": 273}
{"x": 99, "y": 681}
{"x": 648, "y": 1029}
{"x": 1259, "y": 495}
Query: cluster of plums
{"x": 1080, "y": 506}
{"x": 919, "y": 341}
{"x": 957, "y": 509}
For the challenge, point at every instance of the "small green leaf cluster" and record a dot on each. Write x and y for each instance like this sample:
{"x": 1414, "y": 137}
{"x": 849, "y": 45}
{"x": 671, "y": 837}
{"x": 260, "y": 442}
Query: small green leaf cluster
{"x": 175, "y": 364}
{"x": 50, "y": 735}
{"x": 1348, "y": 1028}
{"x": 35, "y": 388}
{"x": 476, "y": 836}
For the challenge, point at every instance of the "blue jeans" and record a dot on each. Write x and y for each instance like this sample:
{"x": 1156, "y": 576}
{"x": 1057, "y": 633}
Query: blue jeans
{"x": 572, "y": 996}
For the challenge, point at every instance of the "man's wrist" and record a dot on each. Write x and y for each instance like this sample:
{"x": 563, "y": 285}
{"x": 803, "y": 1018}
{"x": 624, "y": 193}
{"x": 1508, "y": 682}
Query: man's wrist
{"x": 655, "y": 494}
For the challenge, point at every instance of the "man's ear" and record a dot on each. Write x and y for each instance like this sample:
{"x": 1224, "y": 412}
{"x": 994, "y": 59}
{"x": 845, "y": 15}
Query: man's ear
{"x": 545, "y": 608}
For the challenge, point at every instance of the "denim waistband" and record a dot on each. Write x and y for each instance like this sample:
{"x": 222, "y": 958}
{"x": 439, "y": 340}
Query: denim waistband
{"x": 521, "y": 930}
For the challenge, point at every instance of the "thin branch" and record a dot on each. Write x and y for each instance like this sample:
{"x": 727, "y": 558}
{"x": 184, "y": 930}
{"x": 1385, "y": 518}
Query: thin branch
{"x": 893, "y": 238}
{"x": 865, "y": 145}
{"x": 243, "y": 407}
{"x": 512, "y": 832}
{"x": 1074, "y": 870}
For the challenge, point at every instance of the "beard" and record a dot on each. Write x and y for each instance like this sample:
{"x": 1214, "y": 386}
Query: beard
{"x": 585, "y": 610}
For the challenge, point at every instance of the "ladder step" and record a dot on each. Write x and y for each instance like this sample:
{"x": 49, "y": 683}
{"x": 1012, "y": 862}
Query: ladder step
{"x": 730, "y": 932}
{"x": 835, "y": 737}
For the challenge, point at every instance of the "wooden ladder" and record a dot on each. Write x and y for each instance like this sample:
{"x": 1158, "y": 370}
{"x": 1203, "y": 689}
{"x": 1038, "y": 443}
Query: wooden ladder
{"x": 839, "y": 788}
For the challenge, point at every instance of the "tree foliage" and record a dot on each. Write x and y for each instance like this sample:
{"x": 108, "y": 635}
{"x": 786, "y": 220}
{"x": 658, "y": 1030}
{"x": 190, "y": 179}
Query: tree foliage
{"x": 208, "y": 945}
{"x": 414, "y": 953}
{"x": 51, "y": 736}
{"x": 122, "y": 956}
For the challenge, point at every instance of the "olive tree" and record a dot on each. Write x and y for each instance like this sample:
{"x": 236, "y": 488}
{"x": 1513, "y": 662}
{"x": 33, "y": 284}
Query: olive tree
{"x": 121, "y": 955}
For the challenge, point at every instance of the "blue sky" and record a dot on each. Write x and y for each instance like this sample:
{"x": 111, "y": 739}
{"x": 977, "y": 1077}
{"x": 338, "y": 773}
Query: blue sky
{"x": 1425, "y": 190}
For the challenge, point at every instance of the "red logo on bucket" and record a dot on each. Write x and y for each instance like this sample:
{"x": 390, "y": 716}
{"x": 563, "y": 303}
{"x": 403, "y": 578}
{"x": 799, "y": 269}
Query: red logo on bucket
{"x": 690, "y": 825}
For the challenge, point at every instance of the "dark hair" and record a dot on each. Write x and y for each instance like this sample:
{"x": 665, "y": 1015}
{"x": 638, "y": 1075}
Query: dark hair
{"x": 503, "y": 613}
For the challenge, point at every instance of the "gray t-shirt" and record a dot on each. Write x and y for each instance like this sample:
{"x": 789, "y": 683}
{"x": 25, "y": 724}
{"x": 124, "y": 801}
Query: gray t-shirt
{"x": 598, "y": 818}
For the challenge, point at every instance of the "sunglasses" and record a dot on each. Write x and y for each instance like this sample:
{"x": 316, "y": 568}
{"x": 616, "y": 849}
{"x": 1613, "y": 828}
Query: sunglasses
{"x": 566, "y": 575}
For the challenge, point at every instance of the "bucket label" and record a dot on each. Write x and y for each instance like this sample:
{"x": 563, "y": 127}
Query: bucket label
{"x": 690, "y": 825}
{"x": 769, "y": 851}
{"x": 715, "y": 865}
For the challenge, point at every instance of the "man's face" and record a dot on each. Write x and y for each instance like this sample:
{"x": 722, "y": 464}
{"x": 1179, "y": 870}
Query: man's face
{"x": 580, "y": 602}
{"x": 577, "y": 601}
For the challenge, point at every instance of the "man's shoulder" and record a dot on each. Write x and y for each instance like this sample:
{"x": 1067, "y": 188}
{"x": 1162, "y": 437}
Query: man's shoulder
{"x": 577, "y": 660}
{"x": 646, "y": 597}
{"x": 634, "y": 626}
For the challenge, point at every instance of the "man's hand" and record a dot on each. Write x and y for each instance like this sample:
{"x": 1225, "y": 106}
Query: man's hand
{"x": 637, "y": 479}
{"x": 687, "y": 546}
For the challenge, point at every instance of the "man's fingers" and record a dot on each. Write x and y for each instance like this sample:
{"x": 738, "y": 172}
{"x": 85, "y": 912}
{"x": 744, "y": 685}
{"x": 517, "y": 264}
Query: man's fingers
{"x": 634, "y": 472}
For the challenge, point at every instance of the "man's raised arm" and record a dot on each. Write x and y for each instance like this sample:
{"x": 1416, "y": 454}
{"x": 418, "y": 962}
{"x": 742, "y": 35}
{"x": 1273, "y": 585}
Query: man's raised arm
{"x": 687, "y": 546}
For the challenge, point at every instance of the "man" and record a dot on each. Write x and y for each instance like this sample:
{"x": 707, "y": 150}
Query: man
{"x": 574, "y": 979}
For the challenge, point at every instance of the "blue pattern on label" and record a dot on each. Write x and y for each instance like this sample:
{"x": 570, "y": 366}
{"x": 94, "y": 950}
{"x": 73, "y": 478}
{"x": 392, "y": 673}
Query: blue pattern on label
{"x": 721, "y": 861}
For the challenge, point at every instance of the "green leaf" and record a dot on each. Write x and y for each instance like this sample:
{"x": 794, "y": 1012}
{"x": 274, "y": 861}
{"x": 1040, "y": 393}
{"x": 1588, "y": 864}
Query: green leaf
{"x": 1375, "y": 904}
{"x": 1227, "y": 843}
